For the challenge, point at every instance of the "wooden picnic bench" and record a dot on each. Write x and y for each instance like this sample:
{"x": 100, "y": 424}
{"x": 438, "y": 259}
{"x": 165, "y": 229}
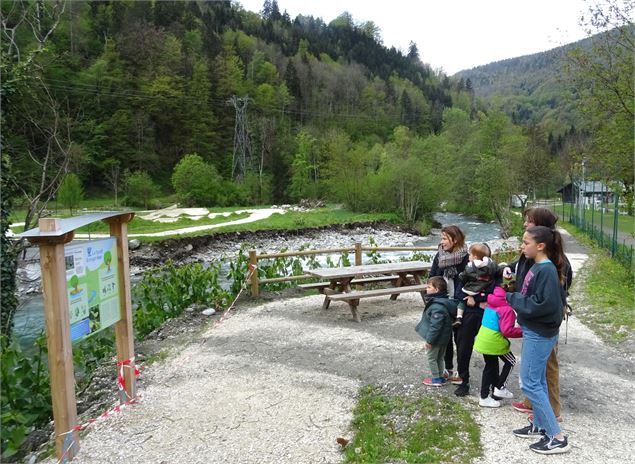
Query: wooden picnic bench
{"x": 403, "y": 277}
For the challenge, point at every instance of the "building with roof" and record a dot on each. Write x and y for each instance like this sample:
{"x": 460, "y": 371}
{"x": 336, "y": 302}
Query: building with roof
{"x": 588, "y": 193}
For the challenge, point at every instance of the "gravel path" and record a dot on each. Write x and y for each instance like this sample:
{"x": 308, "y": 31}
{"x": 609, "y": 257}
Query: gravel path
{"x": 277, "y": 383}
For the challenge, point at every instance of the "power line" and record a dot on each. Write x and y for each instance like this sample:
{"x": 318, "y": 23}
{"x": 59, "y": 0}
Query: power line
{"x": 136, "y": 94}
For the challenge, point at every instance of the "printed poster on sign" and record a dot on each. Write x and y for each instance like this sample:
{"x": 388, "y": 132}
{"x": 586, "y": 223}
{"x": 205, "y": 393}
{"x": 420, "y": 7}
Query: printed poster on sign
{"x": 93, "y": 286}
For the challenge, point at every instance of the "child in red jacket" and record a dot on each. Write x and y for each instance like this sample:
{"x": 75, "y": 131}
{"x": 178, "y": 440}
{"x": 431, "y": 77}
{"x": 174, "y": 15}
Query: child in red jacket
{"x": 498, "y": 326}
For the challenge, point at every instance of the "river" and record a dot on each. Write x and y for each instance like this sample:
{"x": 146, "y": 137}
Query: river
{"x": 29, "y": 317}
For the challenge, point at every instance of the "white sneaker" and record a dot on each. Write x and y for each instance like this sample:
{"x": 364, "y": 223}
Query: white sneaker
{"x": 489, "y": 402}
{"x": 503, "y": 393}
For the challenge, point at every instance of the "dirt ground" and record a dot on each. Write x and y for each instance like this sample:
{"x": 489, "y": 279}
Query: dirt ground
{"x": 277, "y": 381}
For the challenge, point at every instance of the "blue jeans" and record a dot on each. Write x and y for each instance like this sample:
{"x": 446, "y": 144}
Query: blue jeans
{"x": 533, "y": 378}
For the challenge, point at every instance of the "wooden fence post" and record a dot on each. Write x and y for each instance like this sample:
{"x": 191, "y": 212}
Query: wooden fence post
{"x": 253, "y": 260}
{"x": 124, "y": 331}
{"x": 58, "y": 338}
{"x": 358, "y": 254}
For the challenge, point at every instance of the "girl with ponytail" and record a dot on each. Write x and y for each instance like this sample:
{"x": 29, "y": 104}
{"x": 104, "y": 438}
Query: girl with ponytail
{"x": 539, "y": 307}
{"x": 543, "y": 217}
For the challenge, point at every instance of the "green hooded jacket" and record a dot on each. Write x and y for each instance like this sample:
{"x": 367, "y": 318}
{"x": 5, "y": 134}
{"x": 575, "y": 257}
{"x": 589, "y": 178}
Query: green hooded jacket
{"x": 435, "y": 325}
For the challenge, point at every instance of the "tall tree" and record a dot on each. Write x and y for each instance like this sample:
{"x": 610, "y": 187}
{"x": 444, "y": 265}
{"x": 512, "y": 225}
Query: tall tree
{"x": 36, "y": 130}
{"x": 413, "y": 52}
{"x": 603, "y": 77}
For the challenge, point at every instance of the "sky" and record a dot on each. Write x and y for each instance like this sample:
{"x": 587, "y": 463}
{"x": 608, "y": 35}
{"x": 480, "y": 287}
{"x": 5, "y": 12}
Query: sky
{"x": 453, "y": 35}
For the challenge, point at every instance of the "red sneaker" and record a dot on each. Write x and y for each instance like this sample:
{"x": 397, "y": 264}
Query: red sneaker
{"x": 520, "y": 406}
{"x": 435, "y": 382}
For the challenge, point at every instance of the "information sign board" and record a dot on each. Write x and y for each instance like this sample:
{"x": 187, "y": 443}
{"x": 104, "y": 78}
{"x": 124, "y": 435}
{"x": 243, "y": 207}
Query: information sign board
{"x": 92, "y": 286}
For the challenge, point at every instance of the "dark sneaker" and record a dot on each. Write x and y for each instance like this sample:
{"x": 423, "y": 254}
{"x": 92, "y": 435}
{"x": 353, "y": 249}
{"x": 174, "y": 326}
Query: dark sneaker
{"x": 551, "y": 446}
{"x": 530, "y": 431}
{"x": 462, "y": 390}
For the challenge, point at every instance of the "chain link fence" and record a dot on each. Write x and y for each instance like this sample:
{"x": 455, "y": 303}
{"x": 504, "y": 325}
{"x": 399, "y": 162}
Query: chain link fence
{"x": 603, "y": 222}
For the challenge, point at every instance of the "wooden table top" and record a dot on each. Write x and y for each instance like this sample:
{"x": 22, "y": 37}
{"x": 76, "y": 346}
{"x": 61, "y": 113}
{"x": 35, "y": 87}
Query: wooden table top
{"x": 368, "y": 269}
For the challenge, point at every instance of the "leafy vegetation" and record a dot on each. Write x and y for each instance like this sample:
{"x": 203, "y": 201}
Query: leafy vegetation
{"x": 7, "y": 251}
{"x": 71, "y": 192}
{"x": 605, "y": 302}
{"x": 25, "y": 397}
{"x": 411, "y": 429}
{"x": 165, "y": 292}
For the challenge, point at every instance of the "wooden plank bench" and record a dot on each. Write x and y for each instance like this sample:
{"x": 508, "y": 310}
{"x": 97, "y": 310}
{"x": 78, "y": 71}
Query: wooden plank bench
{"x": 357, "y": 294}
{"x": 366, "y": 280}
{"x": 352, "y": 298}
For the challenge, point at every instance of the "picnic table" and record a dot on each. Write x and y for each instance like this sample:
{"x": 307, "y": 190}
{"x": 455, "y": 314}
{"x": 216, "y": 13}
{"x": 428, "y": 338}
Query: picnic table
{"x": 402, "y": 277}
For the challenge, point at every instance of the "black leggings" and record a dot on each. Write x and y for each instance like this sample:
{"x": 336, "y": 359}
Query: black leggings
{"x": 491, "y": 377}
{"x": 465, "y": 336}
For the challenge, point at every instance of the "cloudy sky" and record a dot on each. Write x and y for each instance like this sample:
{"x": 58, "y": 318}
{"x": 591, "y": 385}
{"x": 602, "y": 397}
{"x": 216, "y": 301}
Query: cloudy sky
{"x": 456, "y": 34}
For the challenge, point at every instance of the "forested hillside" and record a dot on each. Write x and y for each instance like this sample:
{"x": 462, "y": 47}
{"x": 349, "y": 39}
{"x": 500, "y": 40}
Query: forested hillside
{"x": 529, "y": 88}
{"x": 537, "y": 89}
{"x": 216, "y": 105}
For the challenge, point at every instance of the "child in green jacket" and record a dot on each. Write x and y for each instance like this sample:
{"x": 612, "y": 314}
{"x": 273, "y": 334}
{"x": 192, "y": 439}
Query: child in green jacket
{"x": 435, "y": 328}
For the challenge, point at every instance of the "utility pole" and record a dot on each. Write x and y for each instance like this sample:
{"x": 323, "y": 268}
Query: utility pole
{"x": 583, "y": 184}
{"x": 241, "y": 159}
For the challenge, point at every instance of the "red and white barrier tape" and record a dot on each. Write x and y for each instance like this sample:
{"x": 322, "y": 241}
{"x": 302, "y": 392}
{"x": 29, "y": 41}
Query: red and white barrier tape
{"x": 252, "y": 268}
{"x": 121, "y": 381}
{"x": 121, "y": 384}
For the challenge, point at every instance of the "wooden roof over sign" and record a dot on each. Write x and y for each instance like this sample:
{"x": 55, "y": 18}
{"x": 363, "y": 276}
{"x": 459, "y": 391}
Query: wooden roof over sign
{"x": 70, "y": 224}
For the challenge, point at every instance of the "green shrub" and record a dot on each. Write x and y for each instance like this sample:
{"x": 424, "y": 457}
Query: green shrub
{"x": 70, "y": 193}
{"x": 196, "y": 182}
{"x": 166, "y": 291}
{"x": 140, "y": 189}
{"x": 25, "y": 397}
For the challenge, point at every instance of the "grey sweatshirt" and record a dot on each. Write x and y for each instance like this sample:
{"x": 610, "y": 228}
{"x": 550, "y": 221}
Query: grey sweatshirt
{"x": 539, "y": 305}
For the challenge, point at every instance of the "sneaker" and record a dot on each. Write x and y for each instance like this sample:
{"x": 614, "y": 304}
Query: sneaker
{"x": 435, "y": 381}
{"x": 520, "y": 406}
{"x": 455, "y": 379}
{"x": 530, "y": 431}
{"x": 446, "y": 374}
{"x": 462, "y": 390}
{"x": 551, "y": 446}
{"x": 503, "y": 393}
{"x": 489, "y": 402}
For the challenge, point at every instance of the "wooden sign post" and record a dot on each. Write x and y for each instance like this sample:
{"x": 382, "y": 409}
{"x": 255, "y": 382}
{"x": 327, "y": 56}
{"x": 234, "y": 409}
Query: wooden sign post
{"x": 51, "y": 236}
{"x": 124, "y": 332}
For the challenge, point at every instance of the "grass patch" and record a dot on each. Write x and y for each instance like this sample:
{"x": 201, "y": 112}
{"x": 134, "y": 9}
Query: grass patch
{"x": 142, "y": 226}
{"x": 603, "y": 294}
{"x": 296, "y": 220}
{"x": 411, "y": 430}
{"x": 625, "y": 223}
{"x": 290, "y": 220}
